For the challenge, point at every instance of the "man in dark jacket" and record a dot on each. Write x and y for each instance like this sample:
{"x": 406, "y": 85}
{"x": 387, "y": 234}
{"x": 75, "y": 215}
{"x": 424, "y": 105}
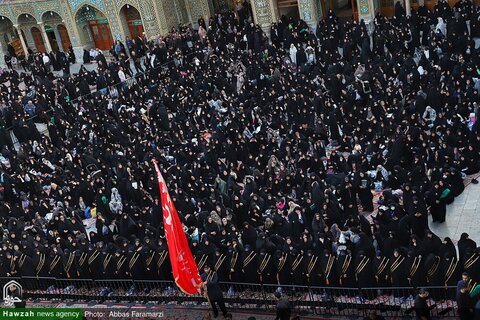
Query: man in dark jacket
{"x": 421, "y": 306}
{"x": 213, "y": 291}
{"x": 284, "y": 310}
{"x": 464, "y": 301}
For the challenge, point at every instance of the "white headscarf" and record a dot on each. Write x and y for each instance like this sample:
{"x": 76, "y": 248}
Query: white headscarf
{"x": 115, "y": 203}
{"x": 293, "y": 54}
{"x": 441, "y": 26}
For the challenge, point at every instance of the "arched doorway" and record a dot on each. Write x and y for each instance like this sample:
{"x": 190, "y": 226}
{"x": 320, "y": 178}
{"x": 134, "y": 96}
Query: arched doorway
{"x": 64, "y": 37}
{"x": 52, "y": 37}
{"x": 288, "y": 8}
{"x": 29, "y": 25}
{"x": 98, "y": 33}
{"x": 50, "y": 20}
{"x": 343, "y": 9}
{"x": 221, "y": 6}
{"x": 132, "y": 19}
{"x": 37, "y": 38}
{"x": 10, "y": 39}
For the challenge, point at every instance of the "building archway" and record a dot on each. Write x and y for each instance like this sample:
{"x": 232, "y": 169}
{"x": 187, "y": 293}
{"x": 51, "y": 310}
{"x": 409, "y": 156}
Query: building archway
{"x": 221, "y": 6}
{"x": 31, "y": 32}
{"x": 131, "y": 21}
{"x": 38, "y": 39}
{"x": 10, "y": 39}
{"x": 52, "y": 37}
{"x": 50, "y": 20}
{"x": 288, "y": 8}
{"x": 64, "y": 37}
{"x": 96, "y": 29}
{"x": 343, "y": 9}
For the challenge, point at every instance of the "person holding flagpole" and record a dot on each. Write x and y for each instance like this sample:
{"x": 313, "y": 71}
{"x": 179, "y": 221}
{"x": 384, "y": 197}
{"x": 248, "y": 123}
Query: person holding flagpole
{"x": 184, "y": 267}
{"x": 212, "y": 291}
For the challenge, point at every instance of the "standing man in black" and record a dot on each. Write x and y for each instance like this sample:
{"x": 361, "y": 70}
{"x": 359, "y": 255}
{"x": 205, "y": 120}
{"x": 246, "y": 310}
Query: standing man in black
{"x": 283, "y": 308}
{"x": 214, "y": 293}
{"x": 464, "y": 301}
{"x": 421, "y": 307}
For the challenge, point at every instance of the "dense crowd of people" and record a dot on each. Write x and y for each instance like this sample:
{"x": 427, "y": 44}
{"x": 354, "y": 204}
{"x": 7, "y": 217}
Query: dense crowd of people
{"x": 272, "y": 146}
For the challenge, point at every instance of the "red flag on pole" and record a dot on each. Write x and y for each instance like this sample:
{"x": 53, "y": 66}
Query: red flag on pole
{"x": 184, "y": 268}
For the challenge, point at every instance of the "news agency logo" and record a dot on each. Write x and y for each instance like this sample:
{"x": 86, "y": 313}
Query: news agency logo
{"x": 12, "y": 292}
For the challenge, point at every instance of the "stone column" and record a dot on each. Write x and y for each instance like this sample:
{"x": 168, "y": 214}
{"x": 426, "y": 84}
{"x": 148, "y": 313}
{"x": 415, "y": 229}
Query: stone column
{"x": 151, "y": 24}
{"x": 308, "y": 12}
{"x": 160, "y": 16}
{"x": 366, "y": 11}
{"x": 198, "y": 8}
{"x": 46, "y": 41}
{"x": 68, "y": 20}
{"x": 57, "y": 37}
{"x": 19, "y": 32}
{"x": 408, "y": 8}
{"x": 189, "y": 13}
{"x": 264, "y": 13}
{"x": 2, "y": 54}
{"x": 28, "y": 37}
{"x": 177, "y": 12}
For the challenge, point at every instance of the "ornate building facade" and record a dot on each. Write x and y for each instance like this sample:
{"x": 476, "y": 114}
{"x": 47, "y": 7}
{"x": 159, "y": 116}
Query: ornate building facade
{"x": 45, "y": 25}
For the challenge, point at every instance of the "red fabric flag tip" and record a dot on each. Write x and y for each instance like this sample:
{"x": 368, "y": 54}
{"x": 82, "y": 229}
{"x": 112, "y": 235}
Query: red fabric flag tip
{"x": 184, "y": 267}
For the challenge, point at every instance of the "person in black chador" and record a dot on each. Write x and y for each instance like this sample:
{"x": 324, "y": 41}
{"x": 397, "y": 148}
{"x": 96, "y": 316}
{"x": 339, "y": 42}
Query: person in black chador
{"x": 433, "y": 274}
{"x": 220, "y": 265}
{"x": 364, "y": 185}
{"x": 438, "y": 208}
{"x": 265, "y": 264}
{"x": 398, "y": 270}
{"x": 296, "y": 274}
{"x": 363, "y": 270}
{"x": 311, "y": 269}
{"x": 328, "y": 270}
{"x": 249, "y": 264}
{"x": 415, "y": 270}
{"x": 346, "y": 270}
{"x": 380, "y": 269}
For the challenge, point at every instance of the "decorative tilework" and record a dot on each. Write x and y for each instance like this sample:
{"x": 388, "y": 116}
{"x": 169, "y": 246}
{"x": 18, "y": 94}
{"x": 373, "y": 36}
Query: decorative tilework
{"x": 183, "y": 11}
{"x": 307, "y": 16}
{"x": 149, "y": 18}
{"x": 263, "y": 12}
{"x": 158, "y": 16}
{"x": 120, "y": 3}
{"x": 157, "y": 7}
{"x": 19, "y": 9}
{"x": 199, "y": 8}
{"x": 308, "y": 10}
{"x": 170, "y": 15}
{"x": 75, "y": 4}
{"x": 364, "y": 7}
{"x": 6, "y": 11}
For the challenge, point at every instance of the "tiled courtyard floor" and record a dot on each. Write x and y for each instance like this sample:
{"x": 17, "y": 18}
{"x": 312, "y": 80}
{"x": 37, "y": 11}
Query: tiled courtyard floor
{"x": 463, "y": 215}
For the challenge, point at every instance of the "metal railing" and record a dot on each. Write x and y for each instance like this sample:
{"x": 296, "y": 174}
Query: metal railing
{"x": 325, "y": 301}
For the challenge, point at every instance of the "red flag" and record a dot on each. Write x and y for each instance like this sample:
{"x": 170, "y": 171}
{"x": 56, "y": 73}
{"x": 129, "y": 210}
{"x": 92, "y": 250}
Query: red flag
{"x": 184, "y": 268}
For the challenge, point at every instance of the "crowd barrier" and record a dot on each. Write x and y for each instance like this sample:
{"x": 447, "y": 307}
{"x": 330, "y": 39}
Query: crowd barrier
{"x": 326, "y": 301}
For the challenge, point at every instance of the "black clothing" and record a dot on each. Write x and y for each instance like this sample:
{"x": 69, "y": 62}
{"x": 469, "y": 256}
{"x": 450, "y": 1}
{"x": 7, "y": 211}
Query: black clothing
{"x": 215, "y": 295}
{"x": 283, "y": 310}
{"x": 422, "y": 311}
